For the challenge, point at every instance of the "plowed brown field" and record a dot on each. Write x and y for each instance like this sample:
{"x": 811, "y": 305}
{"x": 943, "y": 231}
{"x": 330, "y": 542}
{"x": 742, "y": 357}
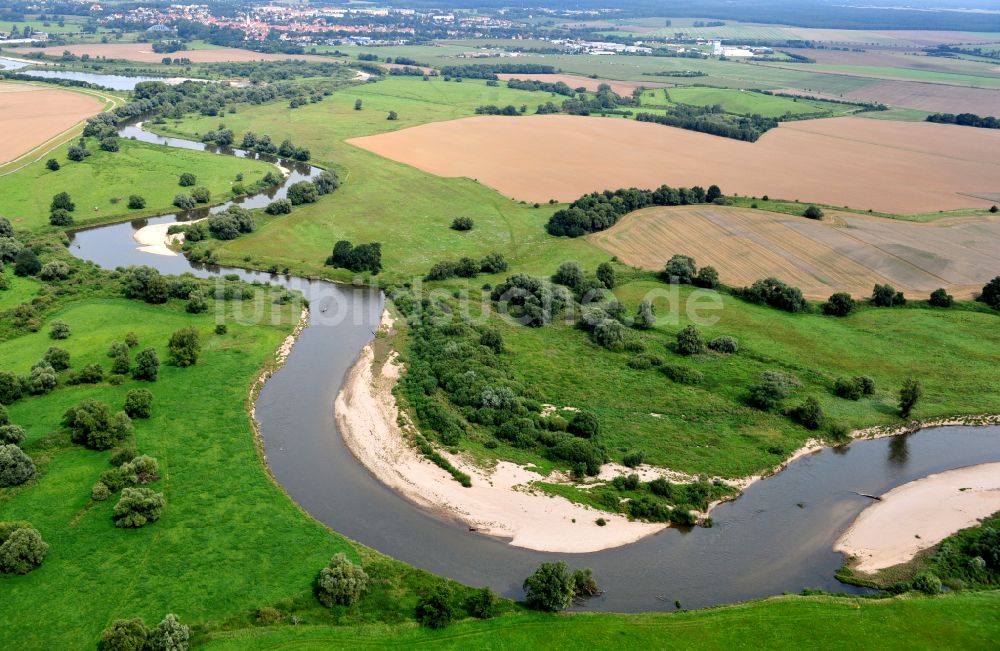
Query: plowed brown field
{"x": 844, "y": 252}
{"x": 30, "y": 115}
{"x": 887, "y": 166}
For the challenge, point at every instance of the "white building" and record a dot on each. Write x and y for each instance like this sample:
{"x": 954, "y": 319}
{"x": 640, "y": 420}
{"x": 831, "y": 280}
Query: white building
{"x": 729, "y": 52}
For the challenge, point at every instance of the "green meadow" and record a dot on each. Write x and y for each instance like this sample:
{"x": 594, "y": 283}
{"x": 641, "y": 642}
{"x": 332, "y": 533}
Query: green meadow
{"x": 742, "y": 102}
{"x": 100, "y": 185}
{"x": 779, "y": 623}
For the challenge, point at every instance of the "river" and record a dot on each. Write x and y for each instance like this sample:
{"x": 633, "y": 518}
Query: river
{"x": 777, "y": 537}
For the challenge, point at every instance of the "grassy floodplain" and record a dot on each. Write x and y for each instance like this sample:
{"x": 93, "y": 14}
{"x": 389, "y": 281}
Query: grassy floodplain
{"x": 100, "y": 184}
{"x": 743, "y": 102}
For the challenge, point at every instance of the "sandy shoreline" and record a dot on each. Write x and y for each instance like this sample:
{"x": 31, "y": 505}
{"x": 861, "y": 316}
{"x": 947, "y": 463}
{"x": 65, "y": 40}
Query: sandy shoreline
{"x": 919, "y": 515}
{"x": 498, "y": 503}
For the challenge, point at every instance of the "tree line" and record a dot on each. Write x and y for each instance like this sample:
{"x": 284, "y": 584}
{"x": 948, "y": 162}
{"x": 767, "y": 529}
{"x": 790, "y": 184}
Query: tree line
{"x": 600, "y": 210}
{"x": 965, "y": 120}
{"x": 713, "y": 120}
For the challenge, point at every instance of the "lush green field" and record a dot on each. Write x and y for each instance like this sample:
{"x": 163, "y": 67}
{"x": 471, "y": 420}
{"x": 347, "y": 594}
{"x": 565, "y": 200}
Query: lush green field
{"x": 100, "y": 185}
{"x": 985, "y": 80}
{"x": 960, "y": 621}
{"x": 742, "y": 102}
{"x": 20, "y": 290}
{"x": 407, "y": 210}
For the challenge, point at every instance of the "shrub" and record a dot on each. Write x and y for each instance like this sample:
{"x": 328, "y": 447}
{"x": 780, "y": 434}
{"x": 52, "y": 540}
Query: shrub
{"x": 645, "y": 317}
{"x": 849, "y": 389}
{"x": 773, "y": 292}
{"x": 680, "y": 269}
{"x": 569, "y": 274}
{"x": 991, "y": 293}
{"x": 221, "y": 329}
{"x": 12, "y": 434}
{"x": 169, "y": 635}
{"x": 125, "y": 635}
{"x": 531, "y": 301}
{"x": 26, "y": 263}
{"x": 724, "y": 344}
{"x": 584, "y": 584}
{"x": 11, "y": 388}
{"x": 100, "y": 492}
{"x": 147, "y": 365}
{"x": 436, "y": 609}
{"x": 196, "y": 304}
{"x": 91, "y": 424}
{"x": 772, "y": 388}
{"x": 42, "y": 379}
{"x": 461, "y": 224}
{"x": 22, "y": 551}
{"x": 185, "y": 346}
{"x": 634, "y": 459}
{"x": 887, "y": 296}
{"x": 268, "y": 615}
{"x": 139, "y": 403}
{"x": 61, "y": 218}
{"x": 690, "y": 342}
{"x": 492, "y": 339}
{"x": 584, "y": 424}
{"x": 482, "y": 604}
{"x": 682, "y": 374}
{"x": 909, "y": 394}
{"x": 551, "y": 587}
{"x": 52, "y": 164}
{"x": 813, "y": 212}
{"x": 131, "y": 339}
{"x": 121, "y": 456}
{"x": 839, "y": 304}
{"x": 187, "y": 179}
{"x": 606, "y": 275}
{"x": 302, "y": 192}
{"x": 867, "y": 384}
{"x": 610, "y": 334}
{"x": 62, "y": 201}
{"x": 493, "y": 263}
{"x": 326, "y": 182}
{"x": 363, "y": 257}
{"x": 707, "y": 277}
{"x": 57, "y": 358}
{"x": 4, "y": 415}
{"x": 201, "y": 194}
{"x": 55, "y": 270}
{"x": 145, "y": 284}
{"x": 184, "y": 202}
{"x": 15, "y": 466}
{"x": 926, "y": 582}
{"x": 138, "y": 507}
{"x": 941, "y": 298}
{"x": 809, "y": 413}
{"x": 341, "y": 582}
{"x": 135, "y": 202}
{"x": 279, "y": 207}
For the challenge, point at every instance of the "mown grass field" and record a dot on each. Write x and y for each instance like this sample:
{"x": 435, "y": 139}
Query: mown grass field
{"x": 780, "y": 623}
{"x": 100, "y": 185}
{"x": 19, "y": 290}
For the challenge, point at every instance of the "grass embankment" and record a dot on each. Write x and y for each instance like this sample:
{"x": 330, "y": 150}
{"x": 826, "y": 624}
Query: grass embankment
{"x": 100, "y": 185}
{"x": 407, "y": 210}
{"x": 229, "y": 540}
{"x": 779, "y": 623}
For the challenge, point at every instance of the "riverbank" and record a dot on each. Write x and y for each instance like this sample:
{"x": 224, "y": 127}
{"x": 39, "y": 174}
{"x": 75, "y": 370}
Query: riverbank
{"x": 918, "y": 515}
{"x": 499, "y": 503}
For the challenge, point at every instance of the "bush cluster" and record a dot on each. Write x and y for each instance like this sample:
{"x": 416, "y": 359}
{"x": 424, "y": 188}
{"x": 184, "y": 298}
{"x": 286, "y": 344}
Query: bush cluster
{"x": 467, "y": 267}
{"x": 360, "y": 258}
{"x": 600, "y": 210}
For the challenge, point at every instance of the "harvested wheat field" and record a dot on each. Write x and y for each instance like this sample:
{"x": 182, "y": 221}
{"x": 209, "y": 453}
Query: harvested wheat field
{"x": 623, "y": 88}
{"x": 886, "y": 166}
{"x": 843, "y": 252}
{"x": 144, "y": 52}
{"x": 30, "y": 115}
{"x": 939, "y": 98}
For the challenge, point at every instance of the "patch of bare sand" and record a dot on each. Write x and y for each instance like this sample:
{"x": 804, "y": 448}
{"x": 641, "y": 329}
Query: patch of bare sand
{"x": 844, "y": 252}
{"x": 31, "y": 115}
{"x": 919, "y": 515}
{"x": 623, "y": 88}
{"x": 886, "y": 166}
{"x": 499, "y": 503}
{"x": 144, "y": 52}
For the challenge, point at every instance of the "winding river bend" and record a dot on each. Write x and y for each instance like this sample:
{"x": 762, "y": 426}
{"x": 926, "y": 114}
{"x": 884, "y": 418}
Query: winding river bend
{"x": 777, "y": 537}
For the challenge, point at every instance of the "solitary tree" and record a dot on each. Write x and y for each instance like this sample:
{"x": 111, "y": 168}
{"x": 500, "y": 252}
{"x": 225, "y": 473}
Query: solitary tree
{"x": 135, "y": 202}
{"x": 941, "y": 298}
{"x": 645, "y": 318}
{"x": 139, "y": 403}
{"x": 813, "y": 212}
{"x": 169, "y": 635}
{"x": 147, "y": 365}
{"x": 680, "y": 269}
{"x": 606, "y": 275}
{"x": 357, "y": 105}
{"x": 550, "y": 587}
{"x": 125, "y": 635}
{"x": 909, "y": 394}
{"x": 437, "y": 608}
{"x": 991, "y": 293}
{"x": 839, "y": 304}
{"x": 15, "y": 466}
{"x": 689, "y": 341}
{"x": 62, "y": 201}
{"x": 138, "y": 507}
{"x": 22, "y": 551}
{"x": 187, "y": 179}
{"x": 341, "y": 582}
{"x": 392, "y": 116}
{"x": 52, "y": 164}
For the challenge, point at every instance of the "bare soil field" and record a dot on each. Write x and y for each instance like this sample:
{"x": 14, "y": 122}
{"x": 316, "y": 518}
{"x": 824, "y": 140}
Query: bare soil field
{"x": 930, "y": 97}
{"x": 144, "y": 52}
{"x": 624, "y": 88}
{"x": 30, "y": 115}
{"x": 843, "y": 252}
{"x": 896, "y": 167}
